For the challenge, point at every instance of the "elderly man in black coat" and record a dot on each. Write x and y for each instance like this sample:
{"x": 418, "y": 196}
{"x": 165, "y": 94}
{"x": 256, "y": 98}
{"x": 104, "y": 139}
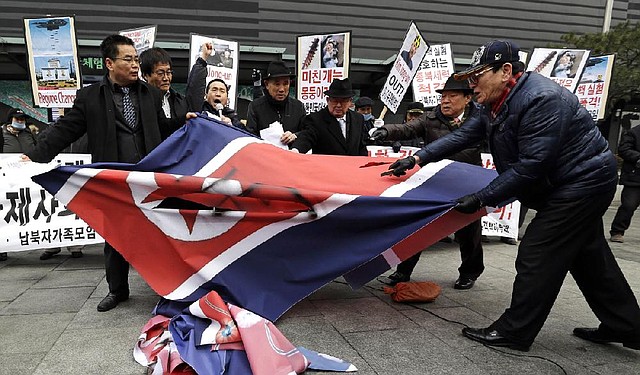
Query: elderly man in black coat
{"x": 629, "y": 151}
{"x": 123, "y": 119}
{"x": 334, "y": 130}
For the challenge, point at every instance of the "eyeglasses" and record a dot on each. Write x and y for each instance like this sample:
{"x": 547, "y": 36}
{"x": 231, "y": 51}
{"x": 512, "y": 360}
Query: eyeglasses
{"x": 129, "y": 59}
{"x": 162, "y": 73}
{"x": 473, "y": 78}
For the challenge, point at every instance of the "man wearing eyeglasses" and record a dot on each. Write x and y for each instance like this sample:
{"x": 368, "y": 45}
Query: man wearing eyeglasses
{"x": 334, "y": 130}
{"x": 447, "y": 117}
{"x": 123, "y": 119}
{"x": 550, "y": 155}
{"x": 157, "y": 70}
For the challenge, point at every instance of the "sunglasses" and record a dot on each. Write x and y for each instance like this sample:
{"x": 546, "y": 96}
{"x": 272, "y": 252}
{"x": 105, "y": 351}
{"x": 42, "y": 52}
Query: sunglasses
{"x": 473, "y": 78}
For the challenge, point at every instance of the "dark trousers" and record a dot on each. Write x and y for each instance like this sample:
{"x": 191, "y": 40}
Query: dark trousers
{"x": 568, "y": 236}
{"x": 117, "y": 270}
{"x": 629, "y": 202}
{"x": 470, "y": 242}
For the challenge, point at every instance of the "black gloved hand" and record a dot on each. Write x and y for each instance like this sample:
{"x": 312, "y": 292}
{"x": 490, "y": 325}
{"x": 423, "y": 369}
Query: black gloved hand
{"x": 400, "y": 166}
{"x": 379, "y": 134}
{"x": 468, "y": 204}
{"x": 256, "y": 77}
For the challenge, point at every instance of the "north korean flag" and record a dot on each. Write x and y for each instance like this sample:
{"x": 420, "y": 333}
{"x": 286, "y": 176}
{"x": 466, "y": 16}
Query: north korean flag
{"x": 214, "y": 208}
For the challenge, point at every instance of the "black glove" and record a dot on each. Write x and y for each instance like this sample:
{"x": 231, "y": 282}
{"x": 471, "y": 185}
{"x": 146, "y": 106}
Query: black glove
{"x": 379, "y": 134}
{"x": 468, "y": 204}
{"x": 400, "y": 166}
{"x": 256, "y": 77}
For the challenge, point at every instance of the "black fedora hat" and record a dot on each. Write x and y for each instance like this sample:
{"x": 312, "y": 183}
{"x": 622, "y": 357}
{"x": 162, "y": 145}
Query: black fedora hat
{"x": 454, "y": 84}
{"x": 278, "y": 69}
{"x": 340, "y": 88}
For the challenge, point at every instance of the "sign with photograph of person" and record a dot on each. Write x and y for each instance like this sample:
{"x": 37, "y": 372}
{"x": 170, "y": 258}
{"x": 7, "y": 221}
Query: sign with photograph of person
{"x": 593, "y": 88}
{"x": 143, "y": 37}
{"x": 320, "y": 58}
{"x": 564, "y": 66}
{"x": 435, "y": 68}
{"x": 222, "y": 62}
{"x": 33, "y": 218}
{"x": 52, "y": 55}
{"x": 414, "y": 48}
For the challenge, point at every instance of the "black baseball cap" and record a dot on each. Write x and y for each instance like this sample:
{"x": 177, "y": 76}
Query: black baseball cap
{"x": 17, "y": 113}
{"x": 495, "y": 52}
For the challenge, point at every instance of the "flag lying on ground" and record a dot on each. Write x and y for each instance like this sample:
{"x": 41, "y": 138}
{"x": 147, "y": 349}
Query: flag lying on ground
{"x": 210, "y": 336}
{"x": 213, "y": 208}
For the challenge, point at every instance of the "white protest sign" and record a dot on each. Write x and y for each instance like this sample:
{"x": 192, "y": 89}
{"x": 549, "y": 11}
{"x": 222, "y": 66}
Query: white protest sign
{"x": 31, "y": 218}
{"x": 407, "y": 63}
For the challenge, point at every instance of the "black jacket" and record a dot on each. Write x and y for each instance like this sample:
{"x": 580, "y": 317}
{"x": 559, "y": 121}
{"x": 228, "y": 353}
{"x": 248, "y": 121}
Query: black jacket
{"x": 543, "y": 142}
{"x": 264, "y": 111}
{"x": 629, "y": 151}
{"x": 93, "y": 113}
{"x": 432, "y": 125}
{"x": 322, "y": 134}
{"x": 178, "y": 104}
{"x": 23, "y": 141}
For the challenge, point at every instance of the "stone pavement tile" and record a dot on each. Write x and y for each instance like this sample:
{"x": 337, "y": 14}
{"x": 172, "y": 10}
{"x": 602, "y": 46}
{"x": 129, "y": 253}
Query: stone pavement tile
{"x": 91, "y": 259}
{"x": 460, "y": 316}
{"x": 448, "y": 332}
{"x": 575, "y": 310}
{"x": 302, "y": 308}
{"x": 70, "y": 278}
{"x": 15, "y": 271}
{"x": 316, "y": 333}
{"x": 11, "y": 290}
{"x": 502, "y": 361}
{"x": 592, "y": 354}
{"x": 490, "y": 302}
{"x": 409, "y": 351}
{"x": 338, "y": 289}
{"x": 92, "y": 351}
{"x": 43, "y": 301}
{"x": 20, "y": 363}
{"x": 35, "y": 333}
{"x": 621, "y": 368}
{"x": 134, "y": 312}
{"x": 361, "y": 314}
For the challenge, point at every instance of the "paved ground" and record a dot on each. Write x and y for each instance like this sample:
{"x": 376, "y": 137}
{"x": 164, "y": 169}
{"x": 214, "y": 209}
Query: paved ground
{"x": 49, "y": 323}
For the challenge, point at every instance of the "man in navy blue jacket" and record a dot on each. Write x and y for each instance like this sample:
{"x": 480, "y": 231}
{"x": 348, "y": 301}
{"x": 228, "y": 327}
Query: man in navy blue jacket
{"x": 549, "y": 155}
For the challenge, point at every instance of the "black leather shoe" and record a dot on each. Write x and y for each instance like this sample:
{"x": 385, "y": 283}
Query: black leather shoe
{"x": 49, "y": 254}
{"x": 3, "y": 257}
{"x": 464, "y": 283}
{"x": 394, "y": 278}
{"x": 110, "y": 301}
{"x": 491, "y": 337}
{"x": 600, "y": 337}
{"x": 508, "y": 240}
{"x": 76, "y": 254}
